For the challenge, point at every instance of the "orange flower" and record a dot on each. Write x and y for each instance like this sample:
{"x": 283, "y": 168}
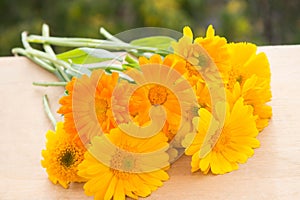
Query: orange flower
{"x": 160, "y": 85}
{"x": 87, "y": 107}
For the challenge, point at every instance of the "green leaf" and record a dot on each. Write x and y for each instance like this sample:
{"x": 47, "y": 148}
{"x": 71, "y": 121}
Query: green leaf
{"x": 160, "y": 42}
{"x": 86, "y": 55}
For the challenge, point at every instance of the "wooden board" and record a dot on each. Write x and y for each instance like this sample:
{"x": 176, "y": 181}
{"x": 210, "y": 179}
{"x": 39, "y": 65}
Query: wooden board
{"x": 272, "y": 173}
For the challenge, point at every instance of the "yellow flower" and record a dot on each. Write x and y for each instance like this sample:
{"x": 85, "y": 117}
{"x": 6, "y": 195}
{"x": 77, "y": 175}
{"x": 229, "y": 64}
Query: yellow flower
{"x": 197, "y": 59}
{"x": 249, "y": 78}
{"x": 193, "y": 51}
{"x": 244, "y": 62}
{"x": 207, "y": 64}
{"x": 88, "y": 105}
{"x": 118, "y": 165}
{"x": 234, "y": 144}
{"x": 217, "y": 49}
{"x": 62, "y": 156}
{"x": 187, "y": 50}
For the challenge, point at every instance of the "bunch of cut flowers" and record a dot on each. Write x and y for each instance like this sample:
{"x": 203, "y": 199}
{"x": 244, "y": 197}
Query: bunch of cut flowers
{"x": 132, "y": 108}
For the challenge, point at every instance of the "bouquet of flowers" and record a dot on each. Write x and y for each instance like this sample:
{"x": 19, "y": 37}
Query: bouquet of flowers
{"x": 133, "y": 106}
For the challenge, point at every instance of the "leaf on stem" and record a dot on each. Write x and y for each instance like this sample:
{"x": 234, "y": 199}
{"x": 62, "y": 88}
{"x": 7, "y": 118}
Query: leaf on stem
{"x": 159, "y": 42}
{"x": 86, "y": 55}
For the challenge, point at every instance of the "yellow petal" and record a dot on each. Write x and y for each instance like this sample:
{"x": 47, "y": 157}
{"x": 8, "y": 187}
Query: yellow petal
{"x": 140, "y": 188}
{"x": 119, "y": 191}
{"x": 111, "y": 189}
{"x": 160, "y": 174}
{"x": 234, "y": 156}
{"x": 215, "y": 164}
{"x": 210, "y": 31}
{"x": 195, "y": 162}
{"x": 188, "y": 32}
{"x": 150, "y": 180}
{"x": 205, "y": 163}
{"x": 225, "y": 165}
{"x": 248, "y": 141}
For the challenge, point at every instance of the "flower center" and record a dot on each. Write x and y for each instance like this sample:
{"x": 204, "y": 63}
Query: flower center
{"x": 67, "y": 158}
{"x": 170, "y": 134}
{"x": 101, "y": 107}
{"x": 157, "y": 95}
{"x": 191, "y": 70}
{"x": 122, "y": 163}
{"x": 234, "y": 77}
{"x": 221, "y": 141}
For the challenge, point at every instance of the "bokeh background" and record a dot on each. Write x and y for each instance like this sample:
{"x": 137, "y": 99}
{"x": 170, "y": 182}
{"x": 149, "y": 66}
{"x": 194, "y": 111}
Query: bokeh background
{"x": 264, "y": 22}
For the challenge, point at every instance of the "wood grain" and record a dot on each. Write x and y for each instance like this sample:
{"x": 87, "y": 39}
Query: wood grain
{"x": 272, "y": 173}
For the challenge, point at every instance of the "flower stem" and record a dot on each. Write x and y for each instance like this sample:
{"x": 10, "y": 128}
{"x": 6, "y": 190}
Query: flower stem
{"x": 56, "y": 61}
{"x": 87, "y": 42}
{"x": 36, "y": 60}
{"x": 46, "y": 84}
{"x": 24, "y": 40}
{"x": 109, "y": 36}
{"x": 130, "y": 59}
{"x": 49, "y": 50}
{"x": 48, "y": 110}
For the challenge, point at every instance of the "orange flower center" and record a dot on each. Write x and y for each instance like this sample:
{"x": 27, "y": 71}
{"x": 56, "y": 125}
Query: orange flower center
{"x": 101, "y": 107}
{"x": 158, "y": 95}
{"x": 192, "y": 71}
{"x": 220, "y": 141}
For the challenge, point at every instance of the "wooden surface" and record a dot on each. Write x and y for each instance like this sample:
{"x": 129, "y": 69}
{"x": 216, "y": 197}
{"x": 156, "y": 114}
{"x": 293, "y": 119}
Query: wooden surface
{"x": 272, "y": 173}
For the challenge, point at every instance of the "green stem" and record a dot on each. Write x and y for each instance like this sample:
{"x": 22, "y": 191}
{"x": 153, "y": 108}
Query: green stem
{"x": 48, "y": 110}
{"x": 24, "y": 40}
{"x": 56, "y": 61}
{"x": 36, "y": 60}
{"x": 59, "y": 76}
{"x": 63, "y": 74}
{"x": 46, "y": 84}
{"x": 130, "y": 59}
{"x": 49, "y": 50}
{"x": 69, "y": 42}
{"x": 86, "y": 42}
{"x": 109, "y": 36}
{"x": 47, "y": 47}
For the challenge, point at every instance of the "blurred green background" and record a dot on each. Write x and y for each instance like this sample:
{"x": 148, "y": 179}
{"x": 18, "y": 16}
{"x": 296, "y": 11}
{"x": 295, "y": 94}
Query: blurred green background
{"x": 263, "y": 22}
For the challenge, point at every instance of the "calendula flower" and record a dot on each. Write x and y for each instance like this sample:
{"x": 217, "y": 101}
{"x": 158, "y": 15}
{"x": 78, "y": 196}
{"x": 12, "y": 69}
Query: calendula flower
{"x": 152, "y": 95}
{"x": 187, "y": 49}
{"x": 249, "y": 78}
{"x": 203, "y": 95}
{"x": 88, "y": 105}
{"x": 62, "y": 157}
{"x": 192, "y": 54}
{"x": 205, "y": 69}
{"x": 202, "y": 52}
{"x": 120, "y": 101}
{"x": 158, "y": 84}
{"x": 216, "y": 48}
{"x": 118, "y": 165}
{"x": 244, "y": 62}
{"x": 234, "y": 144}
